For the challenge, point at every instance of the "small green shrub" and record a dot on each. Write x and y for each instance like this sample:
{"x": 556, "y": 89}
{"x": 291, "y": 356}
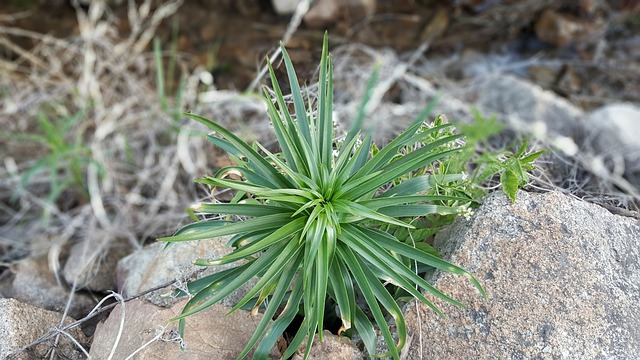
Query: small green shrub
{"x": 509, "y": 166}
{"x": 66, "y": 157}
{"x": 319, "y": 220}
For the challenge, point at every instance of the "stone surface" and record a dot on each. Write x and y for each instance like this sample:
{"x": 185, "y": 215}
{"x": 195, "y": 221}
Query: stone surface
{"x": 332, "y": 347}
{"x": 326, "y": 12}
{"x": 21, "y": 324}
{"x": 613, "y": 131}
{"x": 155, "y": 267}
{"x": 284, "y": 7}
{"x": 562, "y": 278}
{"x": 527, "y": 107}
{"x": 34, "y": 283}
{"x": 93, "y": 266}
{"x": 562, "y": 29}
{"x": 208, "y": 334}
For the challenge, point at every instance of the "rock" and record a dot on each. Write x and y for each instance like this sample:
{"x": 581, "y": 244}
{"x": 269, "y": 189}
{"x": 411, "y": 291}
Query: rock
{"x": 562, "y": 278}
{"x": 284, "y": 7}
{"x": 21, "y": 324}
{"x": 332, "y": 347}
{"x": 326, "y": 12}
{"x": 154, "y": 267}
{"x": 93, "y": 266}
{"x": 209, "y": 334}
{"x": 562, "y": 29}
{"x": 401, "y": 102}
{"x": 36, "y": 284}
{"x": 613, "y": 130}
{"x": 545, "y": 76}
{"x": 526, "y": 106}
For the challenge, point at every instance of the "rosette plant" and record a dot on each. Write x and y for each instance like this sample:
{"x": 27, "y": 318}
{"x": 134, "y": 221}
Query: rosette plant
{"x": 309, "y": 221}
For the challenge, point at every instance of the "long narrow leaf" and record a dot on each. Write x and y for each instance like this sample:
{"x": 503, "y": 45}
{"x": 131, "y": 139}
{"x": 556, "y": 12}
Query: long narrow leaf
{"x": 283, "y": 232}
{"x": 274, "y": 304}
{"x": 297, "y": 340}
{"x": 393, "y": 171}
{"x": 394, "y": 310}
{"x": 417, "y": 210}
{"x": 343, "y": 292}
{"x": 382, "y": 202}
{"x": 293, "y": 139}
{"x": 325, "y": 125}
{"x": 421, "y": 184}
{"x": 283, "y": 321}
{"x": 284, "y": 139}
{"x": 289, "y": 254}
{"x": 362, "y": 211}
{"x": 261, "y": 164}
{"x": 392, "y": 244}
{"x": 397, "y": 272}
{"x": 239, "y": 209}
{"x": 390, "y": 150}
{"x": 202, "y": 226}
{"x": 213, "y": 294}
{"x": 366, "y": 331}
{"x": 264, "y": 222}
{"x": 298, "y": 103}
{"x": 358, "y": 269}
{"x": 300, "y": 179}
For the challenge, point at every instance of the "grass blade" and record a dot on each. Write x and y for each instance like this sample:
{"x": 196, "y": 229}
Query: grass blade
{"x": 262, "y": 166}
{"x": 387, "y": 241}
{"x": 298, "y": 103}
{"x": 264, "y": 222}
{"x": 359, "y": 271}
{"x": 239, "y": 209}
{"x": 274, "y": 304}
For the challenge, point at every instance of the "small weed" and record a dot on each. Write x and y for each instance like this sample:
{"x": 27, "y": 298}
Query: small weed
{"x": 165, "y": 82}
{"x": 66, "y": 154}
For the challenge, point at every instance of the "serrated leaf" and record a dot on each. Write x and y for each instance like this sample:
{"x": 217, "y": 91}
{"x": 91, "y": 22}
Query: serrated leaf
{"x": 509, "y": 182}
{"x": 532, "y": 157}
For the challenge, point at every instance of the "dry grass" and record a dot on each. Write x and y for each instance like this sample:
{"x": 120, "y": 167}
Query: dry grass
{"x": 137, "y": 178}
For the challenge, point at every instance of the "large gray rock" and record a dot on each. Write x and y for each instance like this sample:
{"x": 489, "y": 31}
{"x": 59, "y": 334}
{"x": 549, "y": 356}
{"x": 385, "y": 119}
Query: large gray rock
{"x": 613, "y": 132}
{"x": 562, "y": 278}
{"x": 209, "y": 334}
{"x": 526, "y": 106}
{"x": 34, "y": 283}
{"x": 21, "y": 324}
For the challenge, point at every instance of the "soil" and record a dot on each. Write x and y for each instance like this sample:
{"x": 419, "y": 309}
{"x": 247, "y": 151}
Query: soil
{"x": 585, "y": 50}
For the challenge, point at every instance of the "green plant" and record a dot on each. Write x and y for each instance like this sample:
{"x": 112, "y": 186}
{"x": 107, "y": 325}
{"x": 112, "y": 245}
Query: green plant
{"x": 165, "y": 83}
{"x": 309, "y": 222}
{"x": 510, "y": 166}
{"x": 66, "y": 158}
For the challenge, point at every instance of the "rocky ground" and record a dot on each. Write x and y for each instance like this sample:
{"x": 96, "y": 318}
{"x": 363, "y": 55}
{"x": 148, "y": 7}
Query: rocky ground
{"x": 560, "y": 265}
